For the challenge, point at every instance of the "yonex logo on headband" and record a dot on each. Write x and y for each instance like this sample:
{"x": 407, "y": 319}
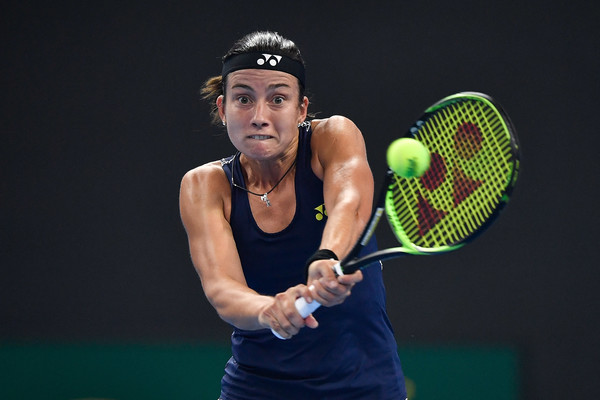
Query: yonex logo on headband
{"x": 272, "y": 59}
{"x": 258, "y": 60}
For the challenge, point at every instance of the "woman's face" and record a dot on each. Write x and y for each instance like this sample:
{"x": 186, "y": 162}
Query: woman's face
{"x": 262, "y": 112}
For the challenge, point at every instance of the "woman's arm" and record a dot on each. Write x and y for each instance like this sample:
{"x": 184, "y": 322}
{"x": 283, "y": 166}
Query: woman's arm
{"x": 340, "y": 159}
{"x": 204, "y": 203}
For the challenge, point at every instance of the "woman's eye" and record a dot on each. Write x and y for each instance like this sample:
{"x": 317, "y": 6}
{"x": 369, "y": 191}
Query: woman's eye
{"x": 278, "y": 100}
{"x": 243, "y": 100}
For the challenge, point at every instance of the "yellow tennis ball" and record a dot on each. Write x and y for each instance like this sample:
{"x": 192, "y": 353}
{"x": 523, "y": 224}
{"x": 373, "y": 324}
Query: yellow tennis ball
{"x": 408, "y": 157}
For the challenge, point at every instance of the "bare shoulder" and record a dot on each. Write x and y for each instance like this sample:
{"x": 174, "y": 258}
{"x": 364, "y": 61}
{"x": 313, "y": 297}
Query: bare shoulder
{"x": 336, "y": 141}
{"x": 205, "y": 185}
{"x": 336, "y": 134}
{"x": 334, "y": 125}
{"x": 208, "y": 174}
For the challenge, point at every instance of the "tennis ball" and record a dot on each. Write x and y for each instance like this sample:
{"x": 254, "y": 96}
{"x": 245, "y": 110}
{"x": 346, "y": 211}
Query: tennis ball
{"x": 408, "y": 157}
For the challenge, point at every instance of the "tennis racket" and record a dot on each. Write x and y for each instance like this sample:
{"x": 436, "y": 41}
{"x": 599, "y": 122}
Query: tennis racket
{"x": 473, "y": 170}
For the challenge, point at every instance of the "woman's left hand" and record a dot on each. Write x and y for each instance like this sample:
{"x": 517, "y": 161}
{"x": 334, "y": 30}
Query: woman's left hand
{"x": 327, "y": 288}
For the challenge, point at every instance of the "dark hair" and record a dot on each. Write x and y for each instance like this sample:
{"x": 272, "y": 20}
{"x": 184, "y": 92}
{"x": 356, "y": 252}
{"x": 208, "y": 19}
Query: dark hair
{"x": 260, "y": 41}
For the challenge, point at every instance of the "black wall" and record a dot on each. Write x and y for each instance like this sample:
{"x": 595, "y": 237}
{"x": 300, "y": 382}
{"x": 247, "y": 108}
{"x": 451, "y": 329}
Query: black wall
{"x": 101, "y": 119}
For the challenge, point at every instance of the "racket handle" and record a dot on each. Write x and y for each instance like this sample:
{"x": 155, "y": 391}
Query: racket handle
{"x": 304, "y": 308}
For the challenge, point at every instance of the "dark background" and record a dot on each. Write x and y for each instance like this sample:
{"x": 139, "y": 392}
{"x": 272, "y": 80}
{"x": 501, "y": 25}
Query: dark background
{"x": 101, "y": 118}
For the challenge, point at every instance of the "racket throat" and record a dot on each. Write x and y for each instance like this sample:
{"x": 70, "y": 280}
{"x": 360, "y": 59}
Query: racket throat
{"x": 372, "y": 225}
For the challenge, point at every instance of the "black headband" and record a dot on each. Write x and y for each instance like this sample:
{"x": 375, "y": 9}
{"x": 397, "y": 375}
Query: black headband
{"x": 273, "y": 62}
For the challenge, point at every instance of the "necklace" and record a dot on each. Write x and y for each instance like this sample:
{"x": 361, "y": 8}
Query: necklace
{"x": 263, "y": 197}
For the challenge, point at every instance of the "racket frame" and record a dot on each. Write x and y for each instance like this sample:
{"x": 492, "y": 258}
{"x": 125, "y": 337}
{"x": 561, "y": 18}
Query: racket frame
{"x": 352, "y": 263}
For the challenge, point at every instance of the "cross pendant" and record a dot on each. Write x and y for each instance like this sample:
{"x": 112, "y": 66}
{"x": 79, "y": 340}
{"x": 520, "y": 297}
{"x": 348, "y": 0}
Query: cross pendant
{"x": 265, "y": 198}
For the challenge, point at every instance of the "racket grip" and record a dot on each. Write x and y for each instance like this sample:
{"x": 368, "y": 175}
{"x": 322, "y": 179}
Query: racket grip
{"x": 304, "y": 309}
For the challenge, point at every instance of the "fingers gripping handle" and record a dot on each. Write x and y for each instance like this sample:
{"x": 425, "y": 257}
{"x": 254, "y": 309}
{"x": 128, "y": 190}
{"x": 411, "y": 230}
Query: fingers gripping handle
{"x": 305, "y": 308}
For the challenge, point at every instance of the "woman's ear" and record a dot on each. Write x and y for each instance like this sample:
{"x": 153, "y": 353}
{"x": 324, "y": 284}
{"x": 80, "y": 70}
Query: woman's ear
{"x": 303, "y": 110}
{"x": 221, "y": 107}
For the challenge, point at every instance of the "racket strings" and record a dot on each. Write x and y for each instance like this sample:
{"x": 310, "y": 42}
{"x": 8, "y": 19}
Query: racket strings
{"x": 471, "y": 166}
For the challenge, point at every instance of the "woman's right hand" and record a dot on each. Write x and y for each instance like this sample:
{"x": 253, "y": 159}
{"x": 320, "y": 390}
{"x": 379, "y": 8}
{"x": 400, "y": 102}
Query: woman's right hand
{"x": 282, "y": 316}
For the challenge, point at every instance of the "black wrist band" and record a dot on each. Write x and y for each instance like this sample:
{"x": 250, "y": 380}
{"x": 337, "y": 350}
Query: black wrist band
{"x": 321, "y": 254}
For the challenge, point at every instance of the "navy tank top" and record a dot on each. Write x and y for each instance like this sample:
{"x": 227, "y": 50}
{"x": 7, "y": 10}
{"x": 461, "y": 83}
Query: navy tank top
{"x": 352, "y": 354}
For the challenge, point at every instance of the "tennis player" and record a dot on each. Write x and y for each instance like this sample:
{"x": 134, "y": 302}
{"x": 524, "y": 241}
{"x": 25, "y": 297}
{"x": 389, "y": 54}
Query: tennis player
{"x": 265, "y": 227}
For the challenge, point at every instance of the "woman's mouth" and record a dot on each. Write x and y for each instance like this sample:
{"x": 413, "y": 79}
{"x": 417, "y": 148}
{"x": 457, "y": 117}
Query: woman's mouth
{"x": 260, "y": 137}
